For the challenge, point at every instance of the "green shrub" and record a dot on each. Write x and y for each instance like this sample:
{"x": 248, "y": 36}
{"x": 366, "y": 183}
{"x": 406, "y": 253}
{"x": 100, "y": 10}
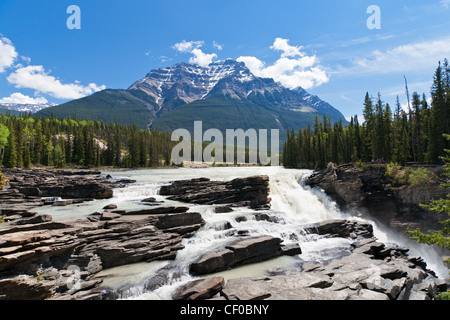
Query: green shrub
{"x": 419, "y": 177}
{"x": 414, "y": 178}
{"x": 3, "y": 181}
{"x": 395, "y": 174}
{"x": 359, "y": 165}
{"x": 443, "y": 296}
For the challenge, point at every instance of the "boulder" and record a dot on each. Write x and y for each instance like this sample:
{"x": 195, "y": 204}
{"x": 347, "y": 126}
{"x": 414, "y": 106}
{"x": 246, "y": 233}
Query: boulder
{"x": 107, "y": 215}
{"x": 24, "y": 287}
{"x": 34, "y": 220}
{"x": 158, "y": 210}
{"x": 251, "y": 191}
{"x": 223, "y": 209}
{"x": 199, "y": 289}
{"x": 240, "y": 252}
{"x": 110, "y": 206}
{"x": 341, "y": 228}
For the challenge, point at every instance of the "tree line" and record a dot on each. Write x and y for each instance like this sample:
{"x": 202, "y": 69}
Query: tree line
{"x": 27, "y": 141}
{"x": 412, "y": 135}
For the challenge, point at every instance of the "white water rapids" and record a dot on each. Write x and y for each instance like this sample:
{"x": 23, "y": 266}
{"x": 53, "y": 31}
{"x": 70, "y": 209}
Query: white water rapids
{"x": 293, "y": 203}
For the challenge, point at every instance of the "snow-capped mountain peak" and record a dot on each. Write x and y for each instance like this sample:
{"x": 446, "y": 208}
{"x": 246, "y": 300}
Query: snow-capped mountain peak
{"x": 185, "y": 83}
{"x": 190, "y": 82}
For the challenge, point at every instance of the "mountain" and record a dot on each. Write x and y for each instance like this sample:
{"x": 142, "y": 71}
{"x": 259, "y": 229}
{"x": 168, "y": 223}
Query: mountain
{"x": 110, "y": 105}
{"x": 16, "y": 108}
{"x": 224, "y": 95}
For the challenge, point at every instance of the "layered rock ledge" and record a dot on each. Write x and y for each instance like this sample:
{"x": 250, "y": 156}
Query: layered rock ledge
{"x": 30, "y": 188}
{"x": 370, "y": 271}
{"x": 37, "y": 261}
{"x": 250, "y": 192}
{"x": 371, "y": 191}
{"x": 243, "y": 251}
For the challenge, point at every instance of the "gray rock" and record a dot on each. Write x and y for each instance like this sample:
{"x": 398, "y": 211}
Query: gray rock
{"x": 110, "y": 206}
{"x": 91, "y": 245}
{"x": 240, "y": 252}
{"x": 252, "y": 191}
{"x": 199, "y": 289}
{"x": 158, "y": 210}
{"x": 361, "y": 275}
{"x": 24, "y": 287}
{"x": 37, "y": 219}
{"x": 107, "y": 215}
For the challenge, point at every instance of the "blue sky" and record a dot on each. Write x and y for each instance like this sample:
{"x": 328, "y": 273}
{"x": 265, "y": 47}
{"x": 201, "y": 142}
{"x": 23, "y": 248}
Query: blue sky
{"x": 324, "y": 46}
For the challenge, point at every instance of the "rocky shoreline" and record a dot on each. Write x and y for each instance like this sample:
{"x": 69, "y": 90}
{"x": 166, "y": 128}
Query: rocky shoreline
{"x": 45, "y": 259}
{"x": 369, "y": 191}
{"x": 31, "y": 188}
{"x": 370, "y": 271}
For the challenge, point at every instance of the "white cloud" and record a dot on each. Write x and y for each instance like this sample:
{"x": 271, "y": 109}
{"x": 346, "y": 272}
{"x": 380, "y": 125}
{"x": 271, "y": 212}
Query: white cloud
{"x": 187, "y": 46}
{"x": 8, "y": 53}
{"x": 253, "y": 64}
{"x": 164, "y": 58}
{"x": 201, "y": 58}
{"x": 445, "y": 3}
{"x": 36, "y": 78}
{"x": 409, "y": 57}
{"x": 293, "y": 69}
{"x": 281, "y": 44}
{"x": 22, "y": 99}
{"x": 217, "y": 46}
{"x": 193, "y": 47}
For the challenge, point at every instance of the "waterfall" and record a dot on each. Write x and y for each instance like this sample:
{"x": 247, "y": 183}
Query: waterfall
{"x": 293, "y": 206}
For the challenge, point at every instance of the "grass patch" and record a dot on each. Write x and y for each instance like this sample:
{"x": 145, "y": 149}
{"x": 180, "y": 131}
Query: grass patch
{"x": 408, "y": 176}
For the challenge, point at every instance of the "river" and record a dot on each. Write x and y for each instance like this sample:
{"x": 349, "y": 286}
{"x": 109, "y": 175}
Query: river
{"x": 292, "y": 202}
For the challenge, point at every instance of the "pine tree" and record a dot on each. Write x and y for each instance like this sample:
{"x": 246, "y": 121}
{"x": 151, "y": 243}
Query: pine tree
{"x": 396, "y": 133}
{"x": 10, "y": 160}
{"x": 380, "y": 135}
{"x": 438, "y": 123}
{"x": 369, "y": 136}
{"x": 4, "y": 134}
{"x": 59, "y": 155}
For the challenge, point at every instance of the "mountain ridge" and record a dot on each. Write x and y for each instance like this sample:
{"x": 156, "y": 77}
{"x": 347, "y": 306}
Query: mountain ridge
{"x": 173, "y": 97}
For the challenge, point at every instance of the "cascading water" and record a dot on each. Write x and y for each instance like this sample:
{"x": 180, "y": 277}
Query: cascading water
{"x": 293, "y": 206}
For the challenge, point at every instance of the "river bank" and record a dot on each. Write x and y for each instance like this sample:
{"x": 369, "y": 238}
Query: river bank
{"x": 371, "y": 192}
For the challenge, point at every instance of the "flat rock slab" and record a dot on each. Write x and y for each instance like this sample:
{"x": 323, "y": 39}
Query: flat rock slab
{"x": 91, "y": 244}
{"x": 365, "y": 274}
{"x": 157, "y": 210}
{"x": 241, "y": 252}
{"x": 250, "y": 192}
{"x": 199, "y": 289}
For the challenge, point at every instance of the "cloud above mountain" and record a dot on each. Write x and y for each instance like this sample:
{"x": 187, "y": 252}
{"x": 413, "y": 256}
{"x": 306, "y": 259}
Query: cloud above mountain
{"x": 19, "y": 98}
{"x": 193, "y": 47}
{"x": 38, "y": 79}
{"x": 293, "y": 69}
